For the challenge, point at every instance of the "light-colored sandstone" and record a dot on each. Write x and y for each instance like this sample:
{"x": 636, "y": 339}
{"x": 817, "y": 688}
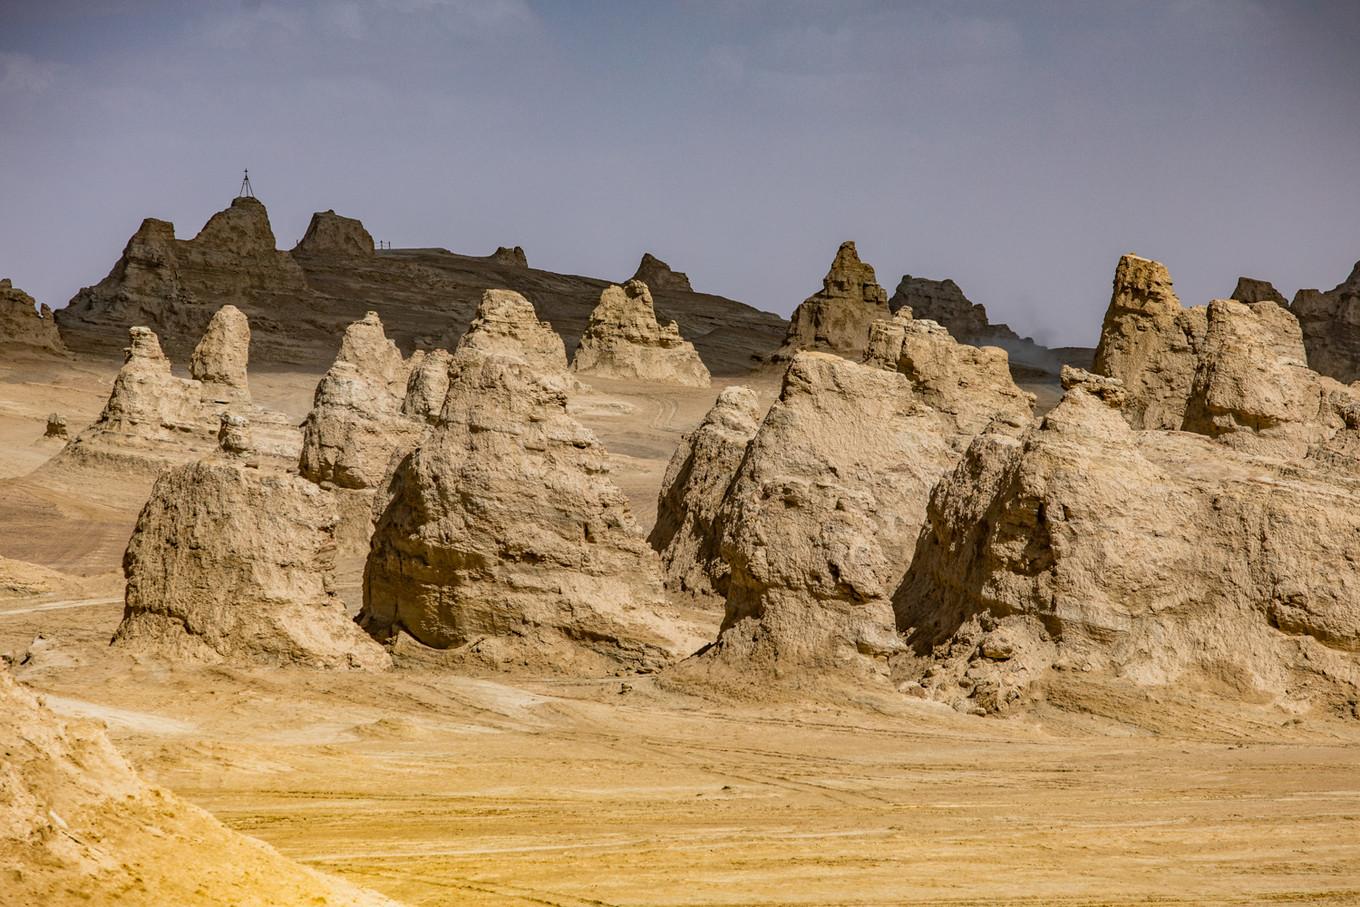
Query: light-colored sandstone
{"x": 624, "y": 340}
{"x": 231, "y": 564}
{"x": 506, "y": 324}
{"x": 24, "y": 324}
{"x": 502, "y": 536}
{"x": 220, "y": 360}
{"x": 686, "y": 533}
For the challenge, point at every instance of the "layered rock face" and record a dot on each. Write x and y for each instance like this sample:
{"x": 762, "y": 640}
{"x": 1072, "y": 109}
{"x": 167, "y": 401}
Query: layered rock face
{"x": 943, "y": 302}
{"x": 1251, "y": 290}
{"x": 658, "y": 275}
{"x": 175, "y": 286}
{"x": 231, "y": 564}
{"x": 506, "y": 324}
{"x": 23, "y": 324}
{"x": 428, "y": 385}
{"x": 1331, "y": 327}
{"x": 356, "y": 422}
{"x": 219, "y": 361}
{"x": 686, "y": 533}
{"x": 329, "y": 233}
{"x": 838, "y": 317}
{"x": 1150, "y": 343}
{"x": 624, "y": 340}
{"x": 820, "y": 521}
{"x": 503, "y": 533}
{"x": 1154, "y": 557}
{"x": 81, "y": 827}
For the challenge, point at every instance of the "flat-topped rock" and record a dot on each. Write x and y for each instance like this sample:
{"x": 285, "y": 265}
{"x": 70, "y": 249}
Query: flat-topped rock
{"x": 624, "y": 340}
{"x": 1251, "y": 290}
{"x": 329, "y": 233}
{"x": 1331, "y": 327}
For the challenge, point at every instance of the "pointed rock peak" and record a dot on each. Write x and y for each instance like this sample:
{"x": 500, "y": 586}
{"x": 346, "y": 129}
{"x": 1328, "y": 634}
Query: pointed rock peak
{"x": 143, "y": 344}
{"x": 242, "y": 229}
{"x": 333, "y": 234}
{"x": 506, "y": 324}
{"x": 850, "y": 277}
{"x": 508, "y": 255}
{"x": 658, "y": 275}
{"x": 1251, "y": 290}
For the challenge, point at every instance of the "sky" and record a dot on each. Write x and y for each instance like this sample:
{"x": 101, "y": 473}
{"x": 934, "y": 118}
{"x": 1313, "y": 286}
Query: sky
{"x": 1017, "y": 147}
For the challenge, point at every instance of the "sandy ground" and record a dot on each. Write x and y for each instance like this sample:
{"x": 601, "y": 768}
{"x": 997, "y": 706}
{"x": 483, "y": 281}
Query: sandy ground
{"x": 440, "y": 789}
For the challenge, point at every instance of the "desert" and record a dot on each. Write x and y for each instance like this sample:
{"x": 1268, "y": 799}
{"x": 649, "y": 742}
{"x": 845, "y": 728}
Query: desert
{"x": 356, "y": 571}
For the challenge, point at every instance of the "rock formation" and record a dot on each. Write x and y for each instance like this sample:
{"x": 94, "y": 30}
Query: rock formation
{"x": 837, "y": 317}
{"x": 506, "y": 324}
{"x": 1331, "y": 327}
{"x": 658, "y": 275}
{"x": 56, "y": 427}
{"x": 231, "y": 564}
{"x": 510, "y": 255}
{"x": 502, "y": 533}
{"x": 329, "y": 233}
{"x": 1148, "y": 557}
{"x": 428, "y": 385}
{"x": 153, "y": 418}
{"x": 81, "y": 827}
{"x": 24, "y": 325}
{"x": 176, "y": 286}
{"x": 1150, "y": 343}
{"x": 686, "y": 533}
{"x": 220, "y": 359}
{"x": 1251, "y": 290}
{"x": 624, "y": 340}
{"x": 819, "y": 524}
{"x": 356, "y": 422}
{"x": 943, "y": 302}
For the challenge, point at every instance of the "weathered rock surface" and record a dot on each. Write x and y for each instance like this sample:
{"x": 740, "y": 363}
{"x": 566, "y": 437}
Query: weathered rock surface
{"x": 299, "y": 303}
{"x": 176, "y": 286}
{"x": 23, "y": 324}
{"x": 231, "y": 564}
{"x": 837, "y": 318}
{"x": 220, "y": 360}
{"x": 80, "y": 826}
{"x": 56, "y": 427}
{"x": 1153, "y": 557}
{"x": 686, "y": 533}
{"x": 356, "y": 422}
{"x": 625, "y": 340}
{"x": 1150, "y": 343}
{"x": 1251, "y": 290}
{"x": 510, "y": 255}
{"x": 428, "y": 385}
{"x": 821, "y": 519}
{"x": 329, "y": 233}
{"x": 657, "y": 275}
{"x": 503, "y": 534}
{"x": 1331, "y": 327}
{"x": 507, "y": 325}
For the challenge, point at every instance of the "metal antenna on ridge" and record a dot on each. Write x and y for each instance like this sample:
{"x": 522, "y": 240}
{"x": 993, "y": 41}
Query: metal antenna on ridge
{"x": 246, "y": 191}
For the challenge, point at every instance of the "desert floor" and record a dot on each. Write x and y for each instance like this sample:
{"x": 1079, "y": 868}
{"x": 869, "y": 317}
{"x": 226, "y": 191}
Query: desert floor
{"x": 438, "y": 788}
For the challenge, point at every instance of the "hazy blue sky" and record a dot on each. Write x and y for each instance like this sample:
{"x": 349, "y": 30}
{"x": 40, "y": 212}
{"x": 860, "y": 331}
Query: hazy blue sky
{"x": 1016, "y": 147}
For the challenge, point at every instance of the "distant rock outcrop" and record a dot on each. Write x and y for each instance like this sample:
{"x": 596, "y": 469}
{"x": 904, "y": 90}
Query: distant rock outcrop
{"x": 356, "y": 422}
{"x": 1150, "y": 343}
{"x": 24, "y": 325}
{"x": 332, "y": 234}
{"x": 229, "y": 563}
{"x": 81, "y": 827}
{"x": 502, "y": 536}
{"x": 943, "y": 302}
{"x": 220, "y": 360}
{"x": 1251, "y": 290}
{"x": 1331, "y": 327}
{"x": 510, "y": 255}
{"x": 658, "y": 275}
{"x": 837, "y": 317}
{"x": 624, "y": 340}
{"x": 1084, "y": 549}
{"x": 819, "y": 523}
{"x": 686, "y": 533}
